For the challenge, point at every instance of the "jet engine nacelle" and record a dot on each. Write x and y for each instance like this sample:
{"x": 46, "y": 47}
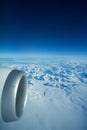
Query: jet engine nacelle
{"x": 13, "y": 94}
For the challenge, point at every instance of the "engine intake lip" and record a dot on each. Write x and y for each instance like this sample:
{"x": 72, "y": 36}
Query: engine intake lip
{"x": 14, "y": 96}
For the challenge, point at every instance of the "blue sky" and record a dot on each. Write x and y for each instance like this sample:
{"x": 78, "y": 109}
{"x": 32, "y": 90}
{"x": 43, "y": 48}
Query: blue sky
{"x": 43, "y": 27}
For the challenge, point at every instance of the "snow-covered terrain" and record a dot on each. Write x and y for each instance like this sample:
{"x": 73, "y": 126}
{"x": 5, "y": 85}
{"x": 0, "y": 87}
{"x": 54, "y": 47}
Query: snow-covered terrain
{"x": 57, "y": 97}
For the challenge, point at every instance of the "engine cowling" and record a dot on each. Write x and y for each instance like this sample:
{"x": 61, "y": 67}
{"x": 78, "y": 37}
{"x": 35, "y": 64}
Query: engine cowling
{"x": 13, "y": 94}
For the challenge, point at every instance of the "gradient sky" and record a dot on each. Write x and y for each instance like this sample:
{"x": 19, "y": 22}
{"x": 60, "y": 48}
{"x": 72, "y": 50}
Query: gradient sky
{"x": 43, "y": 27}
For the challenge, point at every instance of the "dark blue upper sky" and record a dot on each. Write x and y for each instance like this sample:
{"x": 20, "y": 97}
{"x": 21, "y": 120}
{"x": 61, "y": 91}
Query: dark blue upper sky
{"x": 42, "y": 27}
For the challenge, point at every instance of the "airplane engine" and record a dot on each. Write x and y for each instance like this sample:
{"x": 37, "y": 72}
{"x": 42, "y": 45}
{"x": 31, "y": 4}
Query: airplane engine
{"x": 13, "y": 94}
